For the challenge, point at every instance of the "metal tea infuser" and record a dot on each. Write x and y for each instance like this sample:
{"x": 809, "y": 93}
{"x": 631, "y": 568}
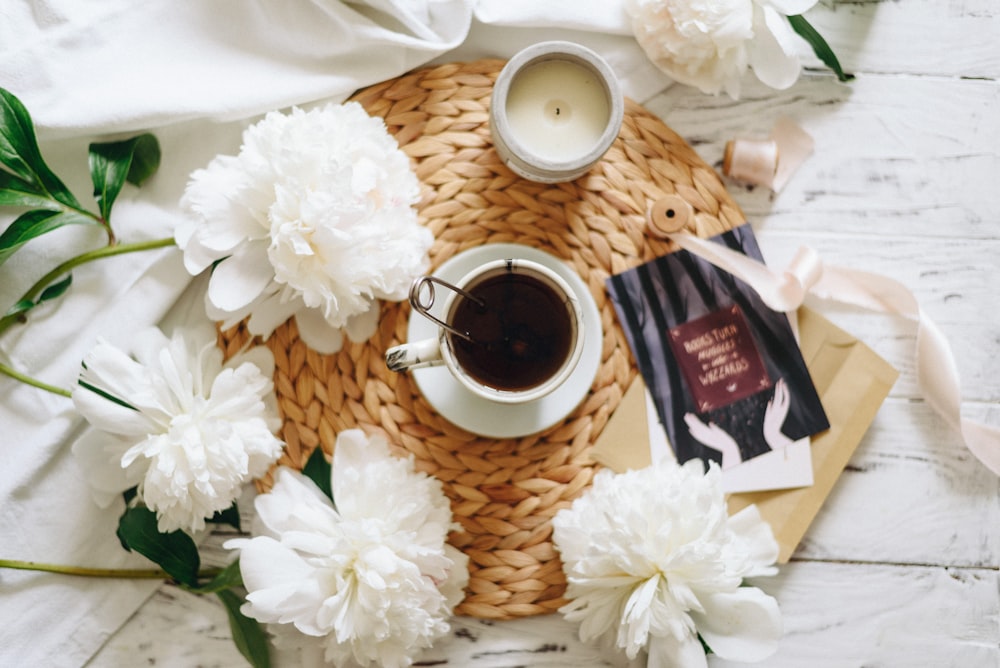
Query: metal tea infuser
{"x": 424, "y": 307}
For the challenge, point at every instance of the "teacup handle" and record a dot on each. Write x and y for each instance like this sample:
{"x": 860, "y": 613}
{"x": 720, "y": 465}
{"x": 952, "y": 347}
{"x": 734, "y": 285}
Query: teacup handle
{"x": 415, "y": 355}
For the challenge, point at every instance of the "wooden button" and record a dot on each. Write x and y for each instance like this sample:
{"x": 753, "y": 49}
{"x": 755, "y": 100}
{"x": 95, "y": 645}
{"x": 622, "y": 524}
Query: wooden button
{"x": 669, "y": 214}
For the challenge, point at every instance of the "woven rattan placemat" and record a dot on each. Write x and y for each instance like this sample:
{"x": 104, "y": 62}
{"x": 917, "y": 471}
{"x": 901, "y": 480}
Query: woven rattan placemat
{"x": 503, "y": 492}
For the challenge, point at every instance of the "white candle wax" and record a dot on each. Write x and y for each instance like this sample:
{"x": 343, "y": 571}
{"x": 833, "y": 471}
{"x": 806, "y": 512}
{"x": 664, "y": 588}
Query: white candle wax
{"x": 557, "y": 109}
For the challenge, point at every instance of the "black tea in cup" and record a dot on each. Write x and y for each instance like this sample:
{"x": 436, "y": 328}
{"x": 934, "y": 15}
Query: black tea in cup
{"x": 522, "y": 331}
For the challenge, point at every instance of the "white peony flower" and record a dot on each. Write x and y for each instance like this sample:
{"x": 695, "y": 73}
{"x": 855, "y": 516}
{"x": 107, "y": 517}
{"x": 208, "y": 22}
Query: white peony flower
{"x": 194, "y": 431}
{"x": 710, "y": 43}
{"x": 365, "y": 581}
{"x": 653, "y": 561}
{"x": 313, "y": 219}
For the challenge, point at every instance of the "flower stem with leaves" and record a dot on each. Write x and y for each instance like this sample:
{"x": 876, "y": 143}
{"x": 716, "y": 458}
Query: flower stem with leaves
{"x": 27, "y": 182}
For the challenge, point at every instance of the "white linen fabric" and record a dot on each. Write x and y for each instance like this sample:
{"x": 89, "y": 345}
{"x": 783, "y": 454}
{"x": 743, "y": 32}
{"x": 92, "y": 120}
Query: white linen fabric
{"x": 195, "y": 72}
{"x": 114, "y": 65}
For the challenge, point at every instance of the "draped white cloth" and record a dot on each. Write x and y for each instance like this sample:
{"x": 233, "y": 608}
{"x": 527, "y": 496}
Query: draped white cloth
{"x": 195, "y": 72}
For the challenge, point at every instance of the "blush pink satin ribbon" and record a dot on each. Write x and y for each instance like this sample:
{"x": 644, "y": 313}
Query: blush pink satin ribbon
{"x": 937, "y": 373}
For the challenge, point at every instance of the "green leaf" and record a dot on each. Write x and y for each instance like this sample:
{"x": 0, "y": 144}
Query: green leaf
{"x": 106, "y": 395}
{"x": 56, "y": 289}
{"x": 229, "y": 577}
{"x": 174, "y": 552}
{"x": 130, "y": 494}
{"x": 52, "y": 292}
{"x": 318, "y": 470}
{"x": 145, "y": 159}
{"x": 19, "y": 308}
{"x": 19, "y": 151}
{"x": 819, "y": 45}
{"x": 248, "y": 635}
{"x": 15, "y": 191}
{"x": 112, "y": 163}
{"x": 33, "y": 224}
{"x": 230, "y": 516}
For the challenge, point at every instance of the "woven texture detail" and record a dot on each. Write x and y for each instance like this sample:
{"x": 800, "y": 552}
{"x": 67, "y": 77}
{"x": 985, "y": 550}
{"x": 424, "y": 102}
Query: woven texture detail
{"x": 503, "y": 492}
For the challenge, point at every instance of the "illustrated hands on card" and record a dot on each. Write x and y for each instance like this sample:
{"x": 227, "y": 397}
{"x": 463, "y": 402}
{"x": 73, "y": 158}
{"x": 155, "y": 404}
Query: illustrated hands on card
{"x": 713, "y": 436}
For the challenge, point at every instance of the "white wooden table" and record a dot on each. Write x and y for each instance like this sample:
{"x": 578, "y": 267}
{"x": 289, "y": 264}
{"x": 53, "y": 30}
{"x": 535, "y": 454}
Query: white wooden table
{"x": 900, "y": 568}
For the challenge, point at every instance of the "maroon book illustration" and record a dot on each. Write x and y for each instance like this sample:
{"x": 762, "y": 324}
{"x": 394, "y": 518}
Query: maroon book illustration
{"x": 724, "y": 370}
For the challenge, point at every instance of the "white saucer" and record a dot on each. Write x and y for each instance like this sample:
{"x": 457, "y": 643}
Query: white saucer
{"x": 487, "y": 418}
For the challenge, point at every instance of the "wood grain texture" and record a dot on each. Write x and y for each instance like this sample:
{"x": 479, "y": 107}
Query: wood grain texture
{"x": 900, "y": 568}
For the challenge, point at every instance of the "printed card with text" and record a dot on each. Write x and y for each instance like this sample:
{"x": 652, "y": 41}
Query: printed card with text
{"x": 723, "y": 370}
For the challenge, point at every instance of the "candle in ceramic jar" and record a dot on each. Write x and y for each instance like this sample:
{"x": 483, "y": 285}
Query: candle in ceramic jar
{"x": 557, "y": 109}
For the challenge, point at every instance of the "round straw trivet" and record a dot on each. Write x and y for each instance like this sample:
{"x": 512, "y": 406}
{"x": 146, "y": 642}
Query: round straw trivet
{"x": 503, "y": 492}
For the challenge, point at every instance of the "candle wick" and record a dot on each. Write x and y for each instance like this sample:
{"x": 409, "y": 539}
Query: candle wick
{"x": 557, "y": 111}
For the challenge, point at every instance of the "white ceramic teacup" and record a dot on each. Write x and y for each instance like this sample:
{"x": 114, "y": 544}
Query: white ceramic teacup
{"x": 512, "y": 332}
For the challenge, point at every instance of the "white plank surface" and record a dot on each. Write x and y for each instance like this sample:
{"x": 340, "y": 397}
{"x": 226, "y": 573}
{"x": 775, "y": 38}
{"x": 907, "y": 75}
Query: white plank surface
{"x": 900, "y": 568}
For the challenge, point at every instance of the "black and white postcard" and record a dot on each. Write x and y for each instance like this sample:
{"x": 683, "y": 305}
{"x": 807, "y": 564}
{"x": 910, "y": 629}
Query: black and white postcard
{"x": 724, "y": 370}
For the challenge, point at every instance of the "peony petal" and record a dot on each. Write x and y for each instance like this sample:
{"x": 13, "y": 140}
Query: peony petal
{"x": 196, "y": 257}
{"x": 218, "y": 220}
{"x": 271, "y": 312}
{"x": 213, "y": 196}
{"x": 109, "y": 416}
{"x": 293, "y": 499}
{"x": 363, "y": 326}
{"x": 453, "y": 588}
{"x": 266, "y": 563}
{"x": 238, "y": 280}
{"x": 699, "y": 44}
{"x": 242, "y": 231}
{"x": 317, "y": 333}
{"x": 260, "y": 356}
{"x": 773, "y": 55}
{"x": 111, "y": 371}
{"x": 789, "y": 7}
{"x": 99, "y": 456}
{"x": 282, "y": 586}
{"x": 640, "y": 599}
{"x": 668, "y": 652}
{"x": 756, "y": 540}
{"x": 744, "y": 625}
{"x": 147, "y": 344}
{"x": 183, "y": 232}
{"x": 352, "y": 451}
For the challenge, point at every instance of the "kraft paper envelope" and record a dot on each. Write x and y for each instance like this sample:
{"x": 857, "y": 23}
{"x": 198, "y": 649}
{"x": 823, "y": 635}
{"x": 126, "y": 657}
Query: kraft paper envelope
{"x": 852, "y": 382}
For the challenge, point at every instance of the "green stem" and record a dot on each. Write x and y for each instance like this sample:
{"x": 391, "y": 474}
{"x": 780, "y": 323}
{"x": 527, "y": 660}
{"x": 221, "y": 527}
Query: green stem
{"x": 90, "y": 256}
{"x": 147, "y": 574}
{"x": 74, "y": 262}
{"x": 106, "y": 224}
{"x": 120, "y": 573}
{"x": 107, "y": 251}
{"x": 34, "y": 382}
